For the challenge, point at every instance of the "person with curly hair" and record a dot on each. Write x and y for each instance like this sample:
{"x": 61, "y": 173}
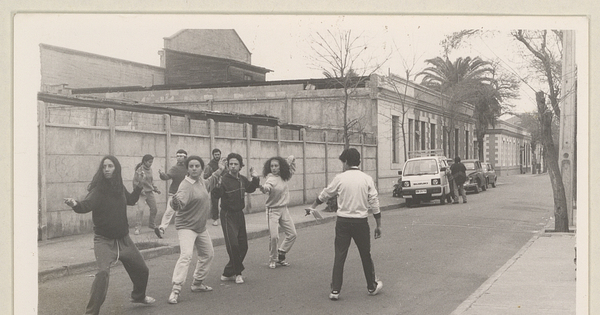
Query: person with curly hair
{"x": 278, "y": 171}
{"x": 108, "y": 199}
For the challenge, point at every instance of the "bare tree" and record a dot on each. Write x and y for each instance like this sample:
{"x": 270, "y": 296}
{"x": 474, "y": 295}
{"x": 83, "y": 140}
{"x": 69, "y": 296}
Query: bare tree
{"x": 546, "y": 55}
{"x": 345, "y": 60}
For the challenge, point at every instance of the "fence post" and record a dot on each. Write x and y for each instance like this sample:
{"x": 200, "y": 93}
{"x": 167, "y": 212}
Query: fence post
{"x": 42, "y": 215}
{"x": 112, "y": 131}
{"x": 211, "y": 134}
{"x": 303, "y": 132}
{"x": 248, "y": 142}
{"x": 278, "y": 135}
{"x": 167, "y": 151}
{"x": 326, "y": 158}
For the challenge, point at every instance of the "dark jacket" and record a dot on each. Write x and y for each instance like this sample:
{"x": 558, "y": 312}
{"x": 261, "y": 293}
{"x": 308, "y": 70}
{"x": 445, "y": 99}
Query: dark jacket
{"x": 233, "y": 190}
{"x": 109, "y": 211}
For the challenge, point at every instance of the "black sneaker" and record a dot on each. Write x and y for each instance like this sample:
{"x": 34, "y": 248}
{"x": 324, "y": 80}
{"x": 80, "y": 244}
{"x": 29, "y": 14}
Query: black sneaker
{"x": 281, "y": 256}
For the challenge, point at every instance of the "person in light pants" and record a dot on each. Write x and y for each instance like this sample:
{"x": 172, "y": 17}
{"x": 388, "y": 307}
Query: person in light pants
{"x": 278, "y": 172}
{"x": 192, "y": 204}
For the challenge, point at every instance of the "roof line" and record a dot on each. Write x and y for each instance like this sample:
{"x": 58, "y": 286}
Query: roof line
{"x": 79, "y": 52}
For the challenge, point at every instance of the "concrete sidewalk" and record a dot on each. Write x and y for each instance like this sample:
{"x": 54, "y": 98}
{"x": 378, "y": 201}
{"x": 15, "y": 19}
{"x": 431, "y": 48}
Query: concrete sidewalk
{"x": 75, "y": 254}
{"x": 539, "y": 279}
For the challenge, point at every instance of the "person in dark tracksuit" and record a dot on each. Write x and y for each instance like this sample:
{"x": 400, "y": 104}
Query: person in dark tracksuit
{"x": 232, "y": 192}
{"x": 107, "y": 200}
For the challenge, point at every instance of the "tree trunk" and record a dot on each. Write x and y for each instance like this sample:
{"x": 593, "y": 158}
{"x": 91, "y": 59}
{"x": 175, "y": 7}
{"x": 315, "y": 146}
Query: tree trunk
{"x": 561, "y": 220}
{"x": 480, "y": 146}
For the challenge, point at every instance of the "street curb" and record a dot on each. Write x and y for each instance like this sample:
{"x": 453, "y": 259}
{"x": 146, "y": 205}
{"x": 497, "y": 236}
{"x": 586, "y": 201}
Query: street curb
{"x": 150, "y": 253}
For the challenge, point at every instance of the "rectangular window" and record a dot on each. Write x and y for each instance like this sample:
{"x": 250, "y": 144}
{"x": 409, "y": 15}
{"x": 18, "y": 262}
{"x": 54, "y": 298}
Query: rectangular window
{"x": 424, "y": 137}
{"x": 433, "y": 137}
{"x": 417, "y": 145}
{"x": 410, "y": 134}
{"x": 466, "y": 144}
{"x": 395, "y": 138}
{"x": 445, "y": 141}
{"x": 456, "y": 138}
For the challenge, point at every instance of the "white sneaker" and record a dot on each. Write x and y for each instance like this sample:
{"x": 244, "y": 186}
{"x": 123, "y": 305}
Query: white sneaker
{"x": 201, "y": 288}
{"x": 173, "y": 297}
{"x": 377, "y": 288}
{"x": 145, "y": 300}
{"x": 223, "y": 278}
{"x": 137, "y": 231}
{"x": 215, "y": 222}
{"x": 239, "y": 279}
{"x": 272, "y": 265}
{"x": 334, "y": 295}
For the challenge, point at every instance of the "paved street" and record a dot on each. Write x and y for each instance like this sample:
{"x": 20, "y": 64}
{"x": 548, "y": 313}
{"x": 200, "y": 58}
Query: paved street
{"x": 431, "y": 258}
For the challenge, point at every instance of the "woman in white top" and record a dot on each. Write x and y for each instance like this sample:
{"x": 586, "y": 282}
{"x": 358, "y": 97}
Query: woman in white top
{"x": 278, "y": 172}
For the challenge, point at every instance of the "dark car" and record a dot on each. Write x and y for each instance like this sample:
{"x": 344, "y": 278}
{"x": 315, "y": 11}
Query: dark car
{"x": 475, "y": 177}
{"x": 490, "y": 174}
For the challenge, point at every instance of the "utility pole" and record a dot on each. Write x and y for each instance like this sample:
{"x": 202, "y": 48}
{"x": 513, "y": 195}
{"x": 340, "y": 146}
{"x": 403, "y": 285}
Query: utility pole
{"x": 567, "y": 119}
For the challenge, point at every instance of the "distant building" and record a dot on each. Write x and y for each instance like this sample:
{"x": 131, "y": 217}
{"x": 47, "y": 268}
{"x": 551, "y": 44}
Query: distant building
{"x": 507, "y": 147}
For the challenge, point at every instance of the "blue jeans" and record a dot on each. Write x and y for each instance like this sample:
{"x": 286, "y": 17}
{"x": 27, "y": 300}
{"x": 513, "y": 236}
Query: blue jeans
{"x": 347, "y": 229}
{"x": 108, "y": 251}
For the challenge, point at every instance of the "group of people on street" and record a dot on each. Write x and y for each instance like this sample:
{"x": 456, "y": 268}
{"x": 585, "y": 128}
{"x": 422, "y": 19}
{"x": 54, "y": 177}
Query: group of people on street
{"x": 194, "y": 195}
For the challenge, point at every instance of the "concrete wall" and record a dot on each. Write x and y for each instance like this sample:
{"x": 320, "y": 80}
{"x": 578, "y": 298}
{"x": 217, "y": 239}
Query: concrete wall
{"x": 82, "y": 70}
{"x": 72, "y": 145}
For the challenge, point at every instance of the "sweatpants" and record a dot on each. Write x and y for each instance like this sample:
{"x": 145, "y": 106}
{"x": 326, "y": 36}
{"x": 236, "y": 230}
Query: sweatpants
{"x": 188, "y": 240}
{"x": 277, "y": 217}
{"x": 107, "y": 252}
{"x": 347, "y": 229}
{"x": 236, "y": 241}
{"x": 146, "y": 201}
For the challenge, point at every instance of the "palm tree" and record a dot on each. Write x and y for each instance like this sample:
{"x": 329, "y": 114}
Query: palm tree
{"x": 457, "y": 82}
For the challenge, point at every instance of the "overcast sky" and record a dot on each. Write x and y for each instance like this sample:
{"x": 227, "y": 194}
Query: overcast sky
{"x": 281, "y": 43}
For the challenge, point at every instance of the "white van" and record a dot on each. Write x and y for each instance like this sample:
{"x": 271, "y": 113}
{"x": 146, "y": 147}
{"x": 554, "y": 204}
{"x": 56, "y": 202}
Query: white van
{"x": 425, "y": 179}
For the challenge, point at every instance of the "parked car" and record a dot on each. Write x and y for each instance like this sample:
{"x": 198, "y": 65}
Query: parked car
{"x": 425, "y": 179}
{"x": 397, "y": 191}
{"x": 490, "y": 174}
{"x": 475, "y": 177}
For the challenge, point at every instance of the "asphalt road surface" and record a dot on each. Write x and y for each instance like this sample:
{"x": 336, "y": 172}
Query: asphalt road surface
{"x": 431, "y": 258}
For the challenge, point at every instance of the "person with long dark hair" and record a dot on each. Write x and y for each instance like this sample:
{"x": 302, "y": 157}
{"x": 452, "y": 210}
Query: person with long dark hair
{"x": 143, "y": 176}
{"x": 192, "y": 206}
{"x": 108, "y": 199}
{"x": 278, "y": 171}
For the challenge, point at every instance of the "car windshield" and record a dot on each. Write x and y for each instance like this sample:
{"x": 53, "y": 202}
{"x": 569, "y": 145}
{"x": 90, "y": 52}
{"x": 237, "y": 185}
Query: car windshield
{"x": 469, "y": 165}
{"x": 420, "y": 167}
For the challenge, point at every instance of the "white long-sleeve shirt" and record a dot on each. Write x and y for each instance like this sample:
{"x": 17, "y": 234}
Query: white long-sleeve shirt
{"x": 356, "y": 194}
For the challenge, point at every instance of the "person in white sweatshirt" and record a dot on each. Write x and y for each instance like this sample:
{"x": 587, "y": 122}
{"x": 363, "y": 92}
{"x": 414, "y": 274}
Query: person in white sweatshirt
{"x": 356, "y": 196}
{"x": 278, "y": 172}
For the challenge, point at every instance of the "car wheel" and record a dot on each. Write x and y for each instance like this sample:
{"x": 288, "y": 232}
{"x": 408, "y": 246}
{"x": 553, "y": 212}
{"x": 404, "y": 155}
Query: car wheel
{"x": 494, "y": 183}
{"x": 478, "y": 187}
{"x": 408, "y": 202}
